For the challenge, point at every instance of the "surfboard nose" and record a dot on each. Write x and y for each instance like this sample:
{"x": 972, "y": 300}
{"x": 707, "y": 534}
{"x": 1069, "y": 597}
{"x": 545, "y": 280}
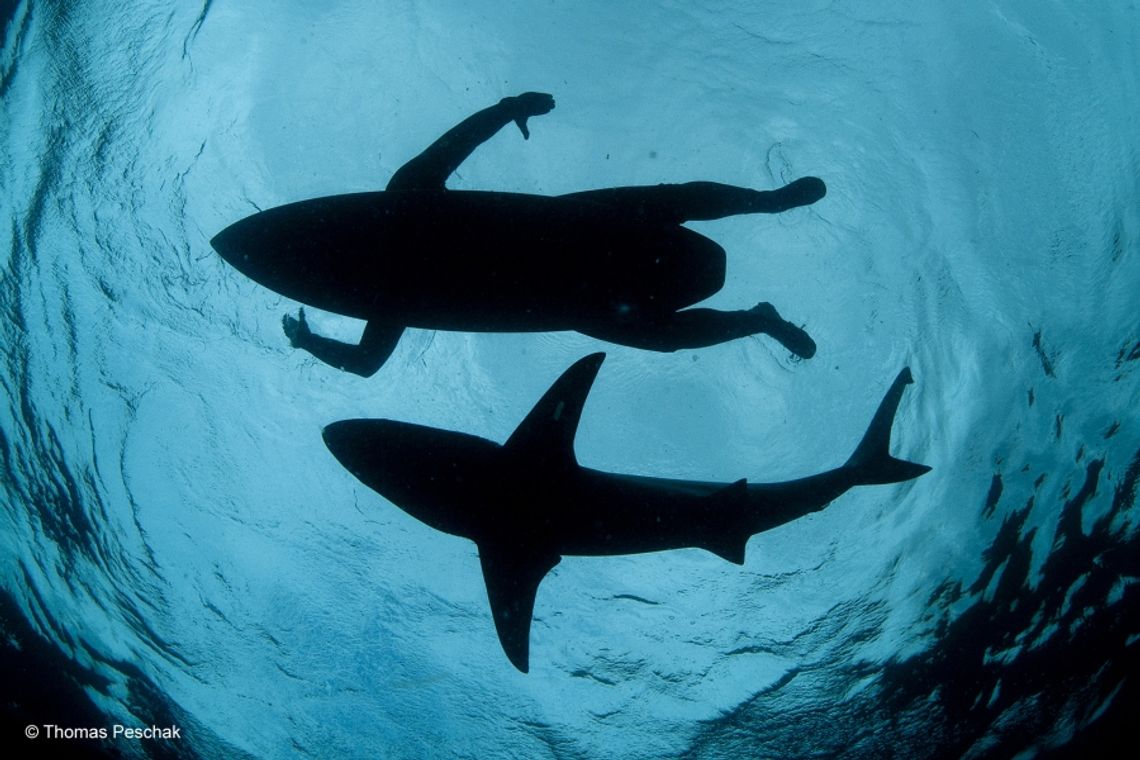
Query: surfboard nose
{"x": 267, "y": 247}
{"x": 293, "y": 251}
{"x": 348, "y": 440}
{"x": 233, "y": 245}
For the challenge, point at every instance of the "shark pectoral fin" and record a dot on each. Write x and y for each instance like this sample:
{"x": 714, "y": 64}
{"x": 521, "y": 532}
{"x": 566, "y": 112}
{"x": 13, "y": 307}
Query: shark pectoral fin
{"x": 512, "y": 577}
{"x": 547, "y": 433}
{"x": 727, "y": 541}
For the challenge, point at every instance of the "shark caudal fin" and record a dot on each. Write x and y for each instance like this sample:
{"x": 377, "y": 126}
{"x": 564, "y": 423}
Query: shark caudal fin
{"x": 872, "y": 462}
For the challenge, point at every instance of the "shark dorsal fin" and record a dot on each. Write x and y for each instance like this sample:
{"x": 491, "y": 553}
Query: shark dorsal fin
{"x": 548, "y": 431}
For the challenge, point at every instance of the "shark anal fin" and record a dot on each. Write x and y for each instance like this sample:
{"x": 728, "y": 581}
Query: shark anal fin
{"x": 733, "y": 493}
{"x": 726, "y": 540}
{"x": 547, "y": 433}
{"x": 512, "y": 575}
{"x": 728, "y": 548}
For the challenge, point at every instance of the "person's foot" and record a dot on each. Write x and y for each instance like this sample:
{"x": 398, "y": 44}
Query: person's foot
{"x": 789, "y": 336}
{"x": 803, "y": 192}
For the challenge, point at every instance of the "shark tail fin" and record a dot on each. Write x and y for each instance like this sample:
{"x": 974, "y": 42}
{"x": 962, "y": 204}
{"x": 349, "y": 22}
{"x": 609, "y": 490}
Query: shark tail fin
{"x": 872, "y": 462}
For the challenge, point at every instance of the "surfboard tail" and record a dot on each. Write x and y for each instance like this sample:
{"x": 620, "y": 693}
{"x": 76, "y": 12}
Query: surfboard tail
{"x": 872, "y": 462}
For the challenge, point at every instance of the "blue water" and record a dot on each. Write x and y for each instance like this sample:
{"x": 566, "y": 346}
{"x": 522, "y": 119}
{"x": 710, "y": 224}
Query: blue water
{"x": 178, "y": 547}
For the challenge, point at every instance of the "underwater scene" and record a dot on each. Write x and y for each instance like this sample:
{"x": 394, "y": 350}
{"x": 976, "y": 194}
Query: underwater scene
{"x": 569, "y": 380}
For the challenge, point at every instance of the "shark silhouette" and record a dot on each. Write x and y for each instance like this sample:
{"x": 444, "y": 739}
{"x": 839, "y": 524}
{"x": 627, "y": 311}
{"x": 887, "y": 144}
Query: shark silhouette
{"x": 527, "y": 503}
{"x": 613, "y": 263}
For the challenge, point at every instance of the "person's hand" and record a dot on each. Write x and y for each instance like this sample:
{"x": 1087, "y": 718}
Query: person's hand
{"x": 296, "y": 329}
{"x": 526, "y": 105}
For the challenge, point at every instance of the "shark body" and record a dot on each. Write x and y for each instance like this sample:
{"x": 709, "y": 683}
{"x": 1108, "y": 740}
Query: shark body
{"x": 528, "y": 502}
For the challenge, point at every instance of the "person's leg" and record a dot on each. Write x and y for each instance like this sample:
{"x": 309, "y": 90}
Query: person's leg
{"x": 697, "y": 328}
{"x": 699, "y": 201}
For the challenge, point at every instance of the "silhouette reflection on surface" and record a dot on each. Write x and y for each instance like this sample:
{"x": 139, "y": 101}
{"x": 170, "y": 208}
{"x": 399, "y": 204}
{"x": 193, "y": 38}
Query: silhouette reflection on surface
{"x": 528, "y": 502}
{"x": 613, "y": 263}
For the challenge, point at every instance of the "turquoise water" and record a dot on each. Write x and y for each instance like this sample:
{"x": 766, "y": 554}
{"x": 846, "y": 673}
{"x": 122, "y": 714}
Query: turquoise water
{"x": 180, "y": 548}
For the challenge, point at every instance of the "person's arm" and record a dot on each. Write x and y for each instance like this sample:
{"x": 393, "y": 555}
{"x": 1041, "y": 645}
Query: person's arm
{"x": 430, "y": 169}
{"x": 376, "y": 345}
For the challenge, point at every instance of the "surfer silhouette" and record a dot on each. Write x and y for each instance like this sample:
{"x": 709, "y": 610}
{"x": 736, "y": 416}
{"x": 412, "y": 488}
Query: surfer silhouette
{"x": 614, "y": 263}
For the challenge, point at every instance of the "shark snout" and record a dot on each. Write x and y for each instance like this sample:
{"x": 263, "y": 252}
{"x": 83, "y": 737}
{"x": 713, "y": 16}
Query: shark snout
{"x": 375, "y": 451}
